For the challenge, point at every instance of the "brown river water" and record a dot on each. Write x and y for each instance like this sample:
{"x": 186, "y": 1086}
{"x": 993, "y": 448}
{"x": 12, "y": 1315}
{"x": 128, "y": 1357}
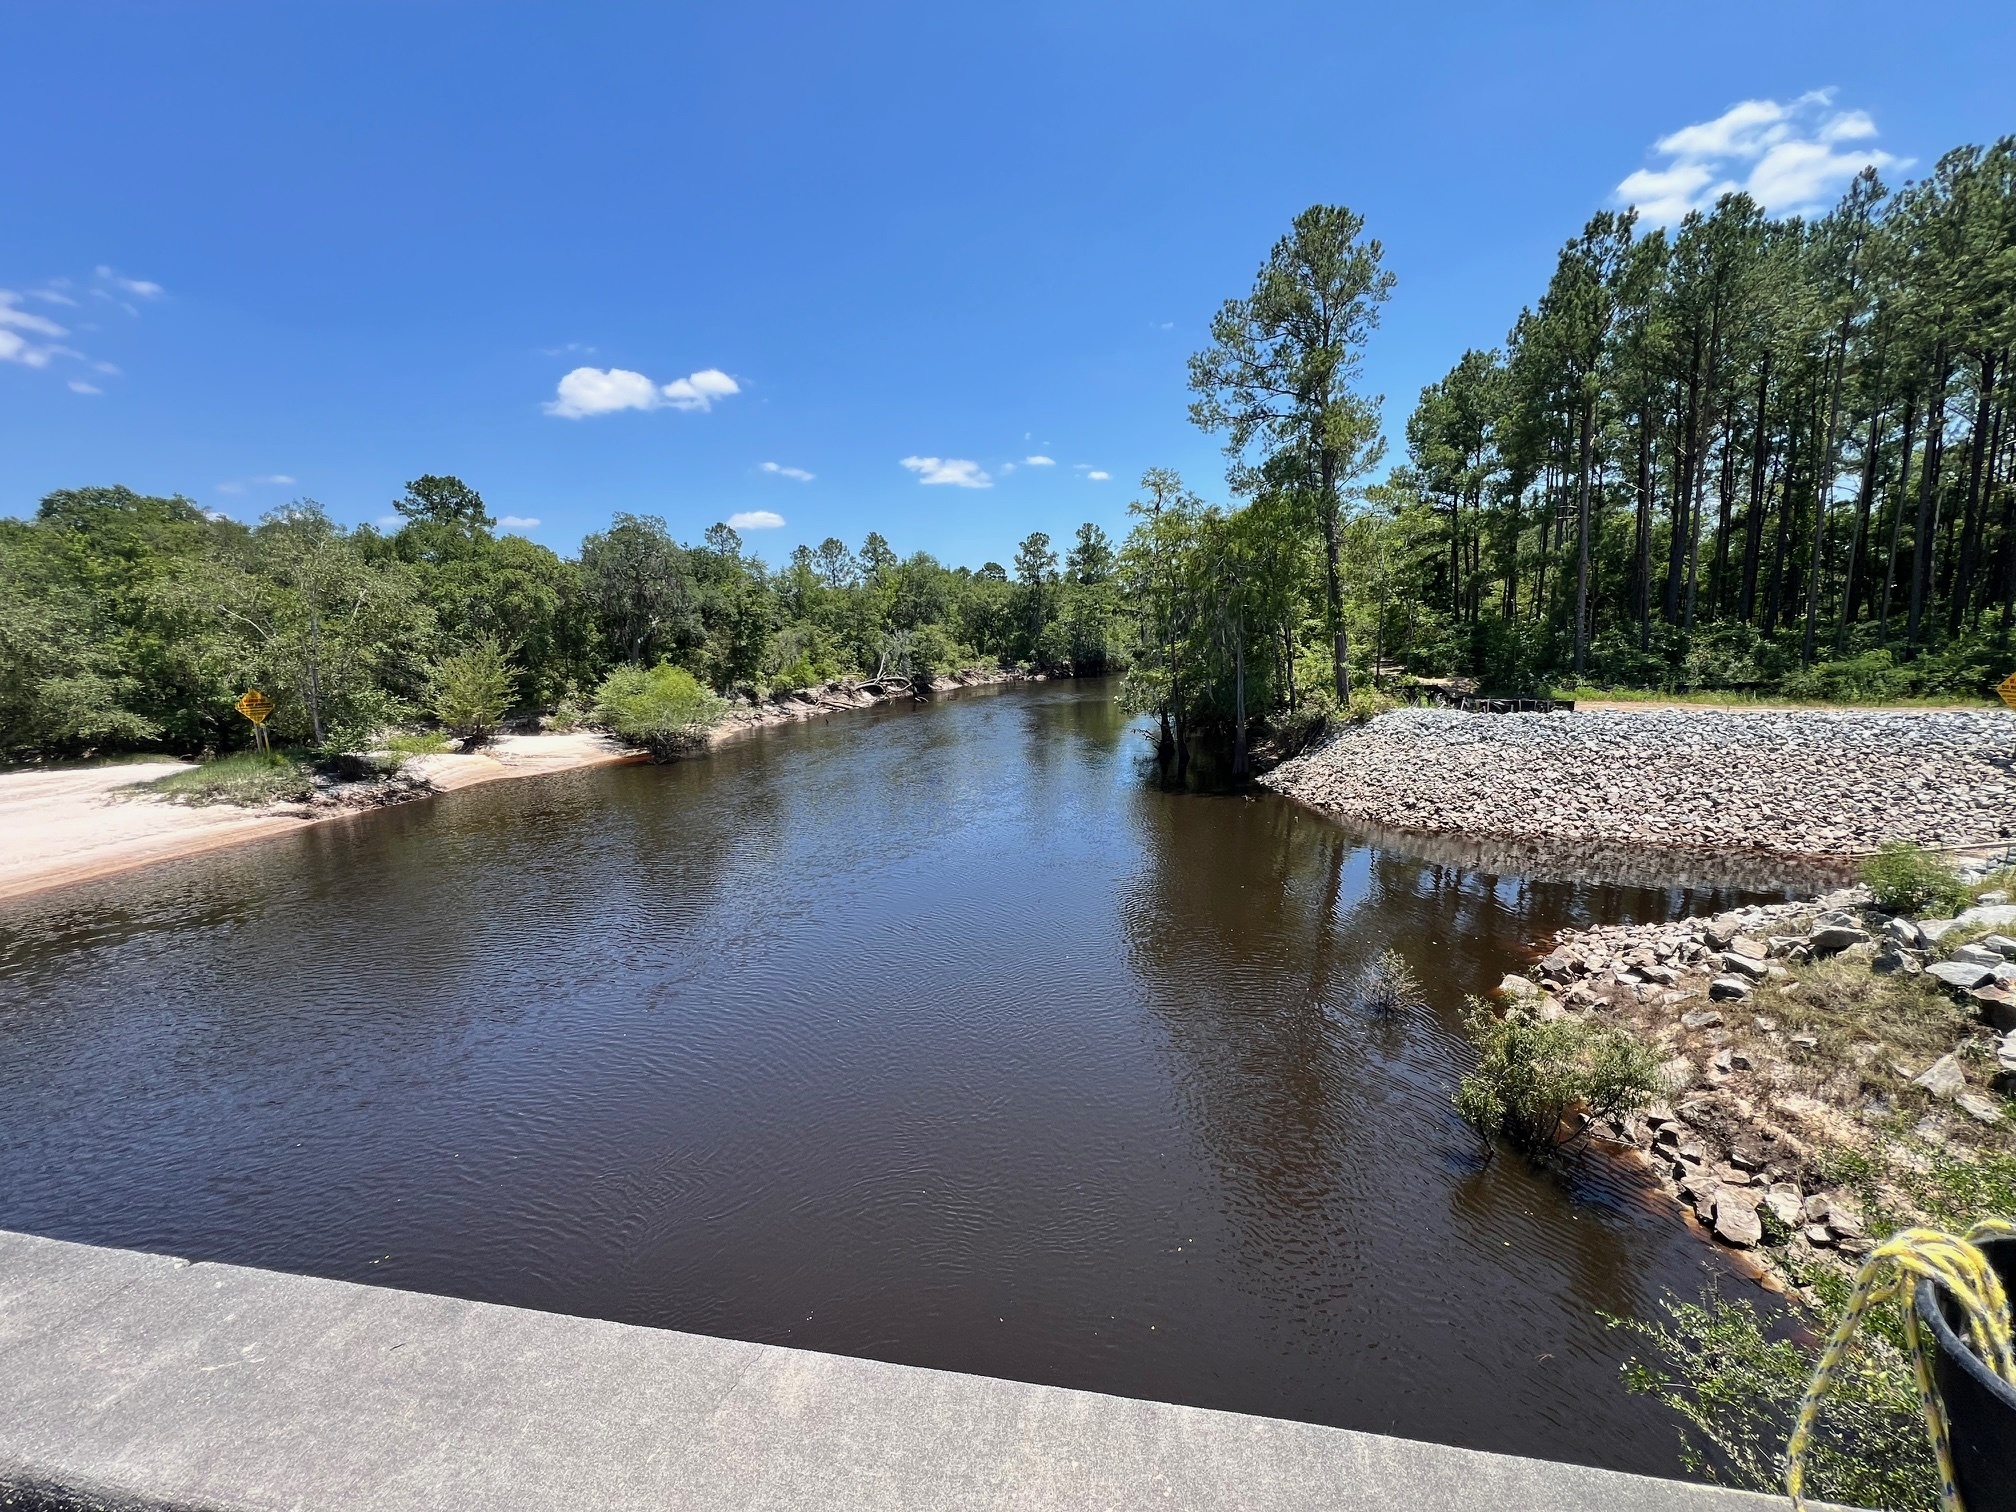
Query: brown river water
{"x": 933, "y": 1035}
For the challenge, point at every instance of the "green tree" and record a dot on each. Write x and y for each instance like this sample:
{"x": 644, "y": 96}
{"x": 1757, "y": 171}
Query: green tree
{"x": 472, "y": 689}
{"x": 1280, "y": 369}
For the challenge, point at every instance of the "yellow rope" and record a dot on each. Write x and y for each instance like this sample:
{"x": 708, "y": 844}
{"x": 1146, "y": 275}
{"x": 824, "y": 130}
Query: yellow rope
{"x": 1893, "y": 1270}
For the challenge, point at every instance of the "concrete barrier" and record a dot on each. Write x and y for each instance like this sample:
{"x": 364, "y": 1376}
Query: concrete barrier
{"x": 137, "y": 1380}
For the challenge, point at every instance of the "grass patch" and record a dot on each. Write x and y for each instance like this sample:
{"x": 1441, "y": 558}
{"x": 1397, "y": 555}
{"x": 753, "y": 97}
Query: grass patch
{"x": 418, "y": 743}
{"x": 1747, "y": 699}
{"x": 250, "y": 778}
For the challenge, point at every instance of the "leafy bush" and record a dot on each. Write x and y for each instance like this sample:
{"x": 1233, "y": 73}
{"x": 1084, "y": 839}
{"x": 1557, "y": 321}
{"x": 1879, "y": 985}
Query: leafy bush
{"x": 1738, "y": 1392}
{"x": 472, "y": 689}
{"x": 1872, "y": 677}
{"x": 1908, "y": 880}
{"x": 1367, "y": 704}
{"x": 1534, "y": 1076}
{"x": 250, "y": 778}
{"x": 663, "y": 709}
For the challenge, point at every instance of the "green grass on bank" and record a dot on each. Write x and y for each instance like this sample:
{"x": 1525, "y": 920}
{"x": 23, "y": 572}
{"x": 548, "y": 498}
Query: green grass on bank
{"x": 244, "y": 777}
{"x": 1743, "y": 698}
{"x": 419, "y": 743}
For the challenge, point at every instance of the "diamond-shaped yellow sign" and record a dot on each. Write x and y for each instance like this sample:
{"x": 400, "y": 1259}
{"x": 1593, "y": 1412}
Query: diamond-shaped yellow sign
{"x": 2008, "y": 690}
{"x": 257, "y": 707}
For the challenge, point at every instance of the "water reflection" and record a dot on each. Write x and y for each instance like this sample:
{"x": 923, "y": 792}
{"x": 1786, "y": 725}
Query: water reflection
{"x": 934, "y": 1035}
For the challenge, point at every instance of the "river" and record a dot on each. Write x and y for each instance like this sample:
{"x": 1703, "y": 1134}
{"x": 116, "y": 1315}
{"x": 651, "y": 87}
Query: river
{"x": 934, "y": 1035}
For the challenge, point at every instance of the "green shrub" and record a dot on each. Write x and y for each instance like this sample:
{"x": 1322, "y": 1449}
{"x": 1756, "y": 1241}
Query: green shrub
{"x": 1908, "y": 880}
{"x": 472, "y": 689}
{"x": 1367, "y": 704}
{"x": 1737, "y": 1391}
{"x": 245, "y": 777}
{"x": 663, "y": 709}
{"x": 1533, "y": 1076}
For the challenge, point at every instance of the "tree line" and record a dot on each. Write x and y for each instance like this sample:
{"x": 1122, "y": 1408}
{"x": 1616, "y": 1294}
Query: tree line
{"x": 1751, "y": 453}
{"x": 1738, "y": 452}
{"x": 135, "y": 622}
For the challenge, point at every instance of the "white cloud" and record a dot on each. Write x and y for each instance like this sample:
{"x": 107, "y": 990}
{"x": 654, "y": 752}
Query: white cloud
{"x": 15, "y": 347}
{"x": 79, "y": 386}
{"x": 756, "y": 519}
{"x": 139, "y": 288}
{"x": 700, "y": 390}
{"x": 390, "y": 519}
{"x": 1040, "y": 461}
{"x": 796, "y": 474}
{"x": 263, "y": 480}
{"x": 518, "y": 522}
{"x": 1792, "y": 158}
{"x": 1096, "y": 476}
{"x": 602, "y": 391}
{"x": 953, "y": 470}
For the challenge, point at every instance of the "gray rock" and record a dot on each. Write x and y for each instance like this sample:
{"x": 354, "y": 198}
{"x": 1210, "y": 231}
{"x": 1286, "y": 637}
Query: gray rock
{"x": 1978, "y": 1108}
{"x": 1701, "y": 1018}
{"x": 1905, "y": 933}
{"x": 1728, "y": 988}
{"x": 1515, "y": 986}
{"x": 1753, "y": 967}
{"x": 1891, "y": 961}
{"x": 1736, "y": 1221}
{"x": 1843, "y": 1222}
{"x": 1816, "y": 1233}
{"x": 1816, "y": 1207}
{"x": 1943, "y": 1078}
{"x": 2002, "y": 945}
{"x": 1676, "y": 1076}
{"x": 1749, "y": 945}
{"x": 1932, "y": 931}
{"x": 1993, "y": 915}
{"x": 1833, "y": 938}
{"x": 1962, "y": 976}
{"x": 1979, "y": 955}
{"x": 1783, "y": 1201}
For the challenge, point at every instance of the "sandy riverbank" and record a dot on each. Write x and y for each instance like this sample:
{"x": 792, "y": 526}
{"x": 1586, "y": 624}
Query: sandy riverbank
{"x": 61, "y": 827}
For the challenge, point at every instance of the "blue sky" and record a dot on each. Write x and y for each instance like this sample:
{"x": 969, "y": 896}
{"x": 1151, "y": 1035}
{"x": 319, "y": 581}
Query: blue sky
{"x": 254, "y": 252}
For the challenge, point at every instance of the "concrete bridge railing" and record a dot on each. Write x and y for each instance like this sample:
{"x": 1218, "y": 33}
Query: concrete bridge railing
{"x": 136, "y": 1380}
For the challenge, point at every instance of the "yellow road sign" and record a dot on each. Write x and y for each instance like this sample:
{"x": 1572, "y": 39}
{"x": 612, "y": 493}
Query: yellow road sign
{"x": 255, "y": 706}
{"x": 2008, "y": 690}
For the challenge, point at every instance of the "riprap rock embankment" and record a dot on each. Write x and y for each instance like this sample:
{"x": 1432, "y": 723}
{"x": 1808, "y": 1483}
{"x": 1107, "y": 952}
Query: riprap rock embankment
{"x": 1799, "y": 782}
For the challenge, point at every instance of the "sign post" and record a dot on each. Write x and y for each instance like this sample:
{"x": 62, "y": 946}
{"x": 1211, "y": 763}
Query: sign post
{"x": 258, "y": 708}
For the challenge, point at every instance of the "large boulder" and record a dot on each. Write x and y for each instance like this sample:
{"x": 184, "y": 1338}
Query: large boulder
{"x": 1752, "y": 967}
{"x": 1726, "y": 989}
{"x": 1736, "y": 1220}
